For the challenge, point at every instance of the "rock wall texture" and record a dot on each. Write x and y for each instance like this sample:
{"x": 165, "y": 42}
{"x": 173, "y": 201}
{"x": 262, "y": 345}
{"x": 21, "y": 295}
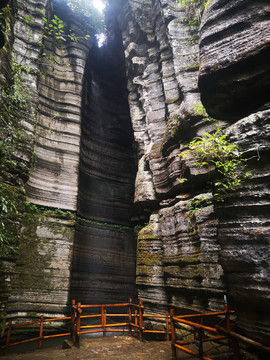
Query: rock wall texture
{"x": 95, "y": 111}
{"x": 177, "y": 254}
{"x": 234, "y": 81}
{"x": 47, "y": 74}
{"x": 189, "y": 255}
{"x": 234, "y": 53}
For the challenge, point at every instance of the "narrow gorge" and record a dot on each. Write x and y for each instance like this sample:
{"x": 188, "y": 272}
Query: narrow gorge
{"x": 139, "y": 168}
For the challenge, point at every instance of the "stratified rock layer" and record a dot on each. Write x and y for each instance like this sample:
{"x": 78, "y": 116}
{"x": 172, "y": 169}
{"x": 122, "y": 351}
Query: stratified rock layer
{"x": 52, "y": 70}
{"x": 177, "y": 254}
{"x": 234, "y": 81}
{"x": 53, "y": 180}
{"x": 234, "y": 57}
{"x": 194, "y": 249}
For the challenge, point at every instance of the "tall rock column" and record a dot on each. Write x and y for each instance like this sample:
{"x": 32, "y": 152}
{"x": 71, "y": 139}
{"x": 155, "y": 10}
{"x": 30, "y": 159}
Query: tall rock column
{"x": 177, "y": 257}
{"x": 235, "y": 81}
{"x": 47, "y": 77}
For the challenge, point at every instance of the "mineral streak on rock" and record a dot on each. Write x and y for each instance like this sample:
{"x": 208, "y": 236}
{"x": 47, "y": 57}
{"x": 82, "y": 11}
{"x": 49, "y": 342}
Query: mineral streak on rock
{"x": 234, "y": 57}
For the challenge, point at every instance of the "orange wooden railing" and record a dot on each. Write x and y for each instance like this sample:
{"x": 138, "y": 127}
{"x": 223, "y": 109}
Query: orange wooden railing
{"x": 133, "y": 323}
{"x": 39, "y": 338}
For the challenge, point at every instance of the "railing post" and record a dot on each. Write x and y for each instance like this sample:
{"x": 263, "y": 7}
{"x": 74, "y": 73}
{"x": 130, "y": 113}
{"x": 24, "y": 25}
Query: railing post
{"x": 72, "y": 319}
{"x": 172, "y": 334}
{"x": 167, "y": 327}
{"x": 198, "y": 340}
{"x": 40, "y": 331}
{"x": 141, "y": 318}
{"x": 78, "y": 324}
{"x": 103, "y": 319}
{"x": 227, "y": 313}
{"x": 136, "y": 322}
{"x": 232, "y": 342}
{"x": 235, "y": 346}
{"x": 8, "y": 336}
{"x": 130, "y": 316}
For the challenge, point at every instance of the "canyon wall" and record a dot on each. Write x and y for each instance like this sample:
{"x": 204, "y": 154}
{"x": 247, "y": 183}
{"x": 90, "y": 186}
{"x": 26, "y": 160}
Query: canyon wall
{"x": 105, "y": 126}
{"x": 75, "y": 235}
{"x": 197, "y": 245}
{"x": 46, "y": 76}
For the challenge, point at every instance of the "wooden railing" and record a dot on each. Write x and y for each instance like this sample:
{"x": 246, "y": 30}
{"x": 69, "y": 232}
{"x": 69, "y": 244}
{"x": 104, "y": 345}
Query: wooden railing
{"x": 204, "y": 333}
{"x": 38, "y": 338}
{"x": 131, "y": 320}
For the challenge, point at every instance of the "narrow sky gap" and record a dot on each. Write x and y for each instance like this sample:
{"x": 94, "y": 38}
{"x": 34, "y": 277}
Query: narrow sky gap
{"x": 99, "y": 5}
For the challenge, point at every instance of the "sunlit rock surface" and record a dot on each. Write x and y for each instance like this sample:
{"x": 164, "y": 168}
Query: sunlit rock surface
{"x": 54, "y": 177}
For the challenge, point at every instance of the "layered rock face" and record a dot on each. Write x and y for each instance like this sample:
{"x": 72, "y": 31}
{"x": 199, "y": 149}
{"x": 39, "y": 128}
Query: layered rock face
{"x": 234, "y": 57}
{"x": 193, "y": 248}
{"x": 234, "y": 80}
{"x": 177, "y": 257}
{"x": 103, "y": 265}
{"x": 50, "y": 74}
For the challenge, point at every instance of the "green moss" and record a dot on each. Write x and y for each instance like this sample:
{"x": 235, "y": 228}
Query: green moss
{"x": 165, "y": 58}
{"x": 208, "y": 2}
{"x": 33, "y": 256}
{"x": 192, "y": 67}
{"x": 104, "y": 224}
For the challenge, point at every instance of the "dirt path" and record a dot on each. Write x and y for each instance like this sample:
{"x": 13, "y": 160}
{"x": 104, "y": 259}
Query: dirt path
{"x": 109, "y": 348}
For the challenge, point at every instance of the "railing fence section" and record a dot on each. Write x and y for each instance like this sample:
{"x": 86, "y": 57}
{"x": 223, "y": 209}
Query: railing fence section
{"x": 129, "y": 318}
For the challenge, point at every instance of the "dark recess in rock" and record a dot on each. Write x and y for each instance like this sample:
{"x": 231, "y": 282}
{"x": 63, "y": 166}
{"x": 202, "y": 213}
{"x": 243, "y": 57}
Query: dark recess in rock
{"x": 103, "y": 268}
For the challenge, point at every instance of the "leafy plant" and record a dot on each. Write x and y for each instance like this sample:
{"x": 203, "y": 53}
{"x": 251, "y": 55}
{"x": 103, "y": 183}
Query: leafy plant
{"x": 214, "y": 149}
{"x": 16, "y": 101}
{"x": 199, "y": 110}
{"x": 192, "y": 11}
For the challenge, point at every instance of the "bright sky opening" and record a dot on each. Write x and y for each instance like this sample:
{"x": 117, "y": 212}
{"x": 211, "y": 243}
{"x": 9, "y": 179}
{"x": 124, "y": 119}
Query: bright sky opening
{"x": 99, "y": 5}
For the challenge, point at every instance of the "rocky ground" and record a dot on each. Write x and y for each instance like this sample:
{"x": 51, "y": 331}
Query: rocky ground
{"x": 109, "y": 348}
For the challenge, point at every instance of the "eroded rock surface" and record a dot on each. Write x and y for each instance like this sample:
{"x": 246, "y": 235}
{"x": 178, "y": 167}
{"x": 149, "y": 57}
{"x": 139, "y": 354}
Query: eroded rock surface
{"x": 188, "y": 257}
{"x": 234, "y": 57}
{"x": 177, "y": 251}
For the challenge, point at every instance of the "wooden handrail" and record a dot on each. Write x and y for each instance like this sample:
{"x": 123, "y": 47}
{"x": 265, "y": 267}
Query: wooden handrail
{"x": 134, "y": 323}
{"x": 208, "y": 328}
{"x": 204, "y": 315}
